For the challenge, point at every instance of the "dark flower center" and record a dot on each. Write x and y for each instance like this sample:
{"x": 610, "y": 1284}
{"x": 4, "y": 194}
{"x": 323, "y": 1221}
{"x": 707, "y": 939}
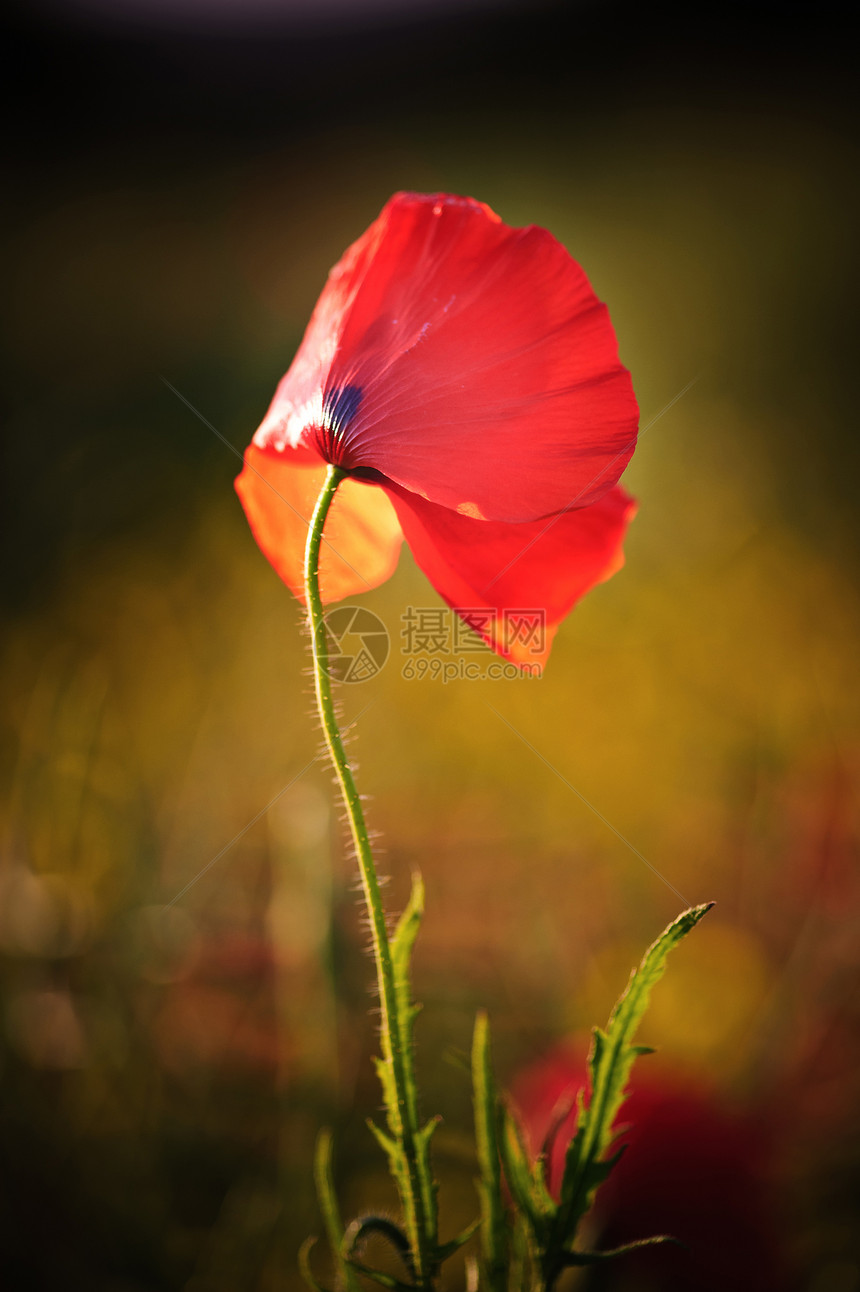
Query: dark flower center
{"x": 340, "y": 407}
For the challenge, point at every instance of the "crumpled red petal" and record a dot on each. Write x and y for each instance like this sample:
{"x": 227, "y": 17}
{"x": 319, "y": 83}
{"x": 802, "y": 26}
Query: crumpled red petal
{"x": 466, "y": 361}
{"x": 515, "y": 583}
{"x": 362, "y": 536}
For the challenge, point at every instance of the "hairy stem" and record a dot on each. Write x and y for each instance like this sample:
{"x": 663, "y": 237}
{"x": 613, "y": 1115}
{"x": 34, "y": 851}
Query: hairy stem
{"x": 403, "y": 1115}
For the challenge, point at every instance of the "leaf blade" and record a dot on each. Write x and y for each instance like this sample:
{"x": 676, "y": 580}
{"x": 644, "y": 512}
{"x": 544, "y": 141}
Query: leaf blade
{"x": 611, "y": 1059}
{"x": 494, "y": 1242}
{"x": 331, "y": 1214}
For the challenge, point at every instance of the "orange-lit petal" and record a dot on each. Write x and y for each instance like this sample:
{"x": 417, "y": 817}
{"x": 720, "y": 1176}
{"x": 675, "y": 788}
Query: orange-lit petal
{"x": 362, "y": 536}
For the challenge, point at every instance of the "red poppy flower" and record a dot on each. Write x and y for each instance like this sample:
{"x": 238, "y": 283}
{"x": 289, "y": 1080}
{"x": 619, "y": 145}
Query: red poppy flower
{"x": 466, "y": 377}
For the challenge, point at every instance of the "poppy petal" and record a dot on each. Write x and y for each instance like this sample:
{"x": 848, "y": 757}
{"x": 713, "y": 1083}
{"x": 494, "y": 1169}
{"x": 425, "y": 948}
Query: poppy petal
{"x": 528, "y": 576}
{"x": 464, "y": 360}
{"x": 362, "y": 537}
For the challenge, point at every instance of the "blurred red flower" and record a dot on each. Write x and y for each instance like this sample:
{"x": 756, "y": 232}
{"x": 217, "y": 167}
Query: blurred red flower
{"x": 693, "y": 1167}
{"x": 467, "y": 378}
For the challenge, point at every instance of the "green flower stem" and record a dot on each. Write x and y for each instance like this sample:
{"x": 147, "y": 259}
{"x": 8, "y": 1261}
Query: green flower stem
{"x": 403, "y": 1114}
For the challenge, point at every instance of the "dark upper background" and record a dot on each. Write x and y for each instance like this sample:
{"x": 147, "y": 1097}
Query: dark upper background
{"x": 103, "y": 96}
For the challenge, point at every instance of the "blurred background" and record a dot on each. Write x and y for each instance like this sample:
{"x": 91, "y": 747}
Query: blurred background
{"x": 184, "y": 984}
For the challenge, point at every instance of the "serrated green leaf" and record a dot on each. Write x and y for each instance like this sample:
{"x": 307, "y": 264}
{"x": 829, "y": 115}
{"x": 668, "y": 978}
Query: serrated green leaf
{"x": 429, "y": 1187}
{"x": 397, "y": 1163}
{"x": 385, "y": 1072}
{"x": 519, "y": 1177}
{"x": 402, "y": 946}
{"x": 407, "y": 1145}
{"x": 403, "y": 940}
{"x": 494, "y": 1242}
{"x": 514, "y": 1160}
{"x": 611, "y": 1059}
{"x": 540, "y": 1191}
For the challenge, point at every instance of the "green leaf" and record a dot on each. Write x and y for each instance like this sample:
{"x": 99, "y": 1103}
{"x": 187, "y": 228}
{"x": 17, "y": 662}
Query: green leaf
{"x": 596, "y": 1258}
{"x": 520, "y": 1181}
{"x": 402, "y": 945}
{"x": 390, "y": 1145}
{"x": 494, "y": 1239}
{"x": 429, "y": 1187}
{"x": 330, "y": 1211}
{"x": 406, "y": 932}
{"x": 397, "y": 1164}
{"x": 385, "y": 1072}
{"x": 610, "y": 1061}
{"x": 540, "y": 1192}
{"x": 407, "y": 1144}
{"x": 454, "y": 1244}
